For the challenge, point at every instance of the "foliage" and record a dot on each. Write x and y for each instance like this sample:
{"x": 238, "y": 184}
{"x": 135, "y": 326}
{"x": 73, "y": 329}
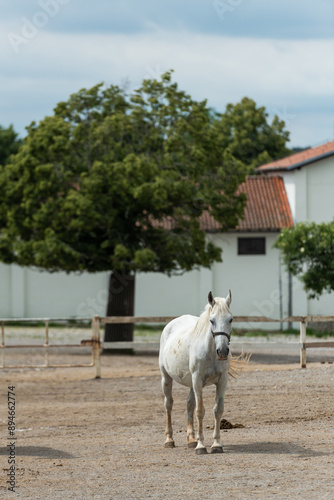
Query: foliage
{"x": 94, "y": 184}
{"x": 9, "y": 143}
{"x": 244, "y": 129}
{"x": 308, "y": 250}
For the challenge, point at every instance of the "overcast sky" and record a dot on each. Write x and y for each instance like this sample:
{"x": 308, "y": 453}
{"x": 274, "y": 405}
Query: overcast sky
{"x": 277, "y": 52}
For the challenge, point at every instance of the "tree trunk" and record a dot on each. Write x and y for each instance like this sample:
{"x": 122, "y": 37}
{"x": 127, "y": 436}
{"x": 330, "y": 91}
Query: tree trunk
{"x": 120, "y": 303}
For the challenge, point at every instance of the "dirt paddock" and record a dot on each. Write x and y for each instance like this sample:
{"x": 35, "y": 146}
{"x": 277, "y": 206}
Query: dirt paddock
{"x": 78, "y": 437}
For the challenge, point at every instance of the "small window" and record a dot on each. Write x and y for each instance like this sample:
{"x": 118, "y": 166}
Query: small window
{"x": 251, "y": 246}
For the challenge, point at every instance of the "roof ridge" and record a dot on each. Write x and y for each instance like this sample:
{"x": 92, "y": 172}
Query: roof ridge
{"x": 299, "y": 159}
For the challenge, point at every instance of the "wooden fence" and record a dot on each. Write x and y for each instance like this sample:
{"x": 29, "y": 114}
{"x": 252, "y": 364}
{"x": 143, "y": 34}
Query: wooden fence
{"x": 95, "y": 342}
{"x": 302, "y": 320}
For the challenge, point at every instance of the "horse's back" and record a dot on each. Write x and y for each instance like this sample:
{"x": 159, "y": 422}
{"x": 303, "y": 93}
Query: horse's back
{"x": 174, "y": 348}
{"x": 181, "y": 325}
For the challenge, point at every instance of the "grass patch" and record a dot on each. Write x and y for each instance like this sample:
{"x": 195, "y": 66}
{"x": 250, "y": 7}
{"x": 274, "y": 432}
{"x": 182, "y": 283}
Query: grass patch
{"x": 155, "y": 327}
{"x": 148, "y": 332}
{"x": 315, "y": 333}
{"x": 258, "y": 333}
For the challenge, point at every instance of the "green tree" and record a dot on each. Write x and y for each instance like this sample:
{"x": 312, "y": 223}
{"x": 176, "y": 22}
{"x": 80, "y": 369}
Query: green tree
{"x": 113, "y": 182}
{"x": 9, "y": 143}
{"x": 245, "y": 130}
{"x": 308, "y": 251}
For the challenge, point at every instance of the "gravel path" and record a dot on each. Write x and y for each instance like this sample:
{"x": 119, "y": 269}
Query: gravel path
{"x": 81, "y": 438}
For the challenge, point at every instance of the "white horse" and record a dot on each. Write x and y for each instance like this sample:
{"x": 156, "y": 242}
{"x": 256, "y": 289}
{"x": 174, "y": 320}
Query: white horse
{"x": 194, "y": 351}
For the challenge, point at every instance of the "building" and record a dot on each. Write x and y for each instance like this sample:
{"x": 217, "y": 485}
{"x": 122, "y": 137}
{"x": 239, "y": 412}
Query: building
{"x": 309, "y": 182}
{"x": 308, "y": 178}
{"x": 297, "y": 188}
{"x": 251, "y": 267}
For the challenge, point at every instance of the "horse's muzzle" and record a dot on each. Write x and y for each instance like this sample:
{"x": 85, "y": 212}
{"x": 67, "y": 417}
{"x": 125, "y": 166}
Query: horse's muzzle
{"x": 223, "y": 354}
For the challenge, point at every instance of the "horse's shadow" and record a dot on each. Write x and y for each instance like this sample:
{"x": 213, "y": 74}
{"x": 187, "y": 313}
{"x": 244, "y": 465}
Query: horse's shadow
{"x": 38, "y": 451}
{"x": 271, "y": 448}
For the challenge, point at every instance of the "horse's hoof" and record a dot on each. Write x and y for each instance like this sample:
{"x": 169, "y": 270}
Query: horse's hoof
{"x": 192, "y": 444}
{"x": 169, "y": 444}
{"x": 201, "y": 451}
{"x": 217, "y": 449}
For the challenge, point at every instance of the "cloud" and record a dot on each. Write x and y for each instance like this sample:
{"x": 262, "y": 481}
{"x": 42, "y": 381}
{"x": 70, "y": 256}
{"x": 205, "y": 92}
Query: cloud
{"x": 239, "y": 18}
{"x": 294, "y": 75}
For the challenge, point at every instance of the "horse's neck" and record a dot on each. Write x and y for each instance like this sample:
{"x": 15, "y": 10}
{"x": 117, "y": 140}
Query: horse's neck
{"x": 209, "y": 340}
{"x": 203, "y": 328}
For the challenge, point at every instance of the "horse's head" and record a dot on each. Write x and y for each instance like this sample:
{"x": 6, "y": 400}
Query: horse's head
{"x": 221, "y": 323}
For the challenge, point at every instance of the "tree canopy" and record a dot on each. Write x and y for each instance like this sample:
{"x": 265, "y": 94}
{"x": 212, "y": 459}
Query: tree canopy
{"x": 308, "y": 250}
{"x": 245, "y": 130}
{"x": 9, "y": 143}
{"x": 93, "y": 185}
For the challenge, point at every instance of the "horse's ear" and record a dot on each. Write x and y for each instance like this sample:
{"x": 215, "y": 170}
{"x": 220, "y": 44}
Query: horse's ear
{"x": 211, "y": 299}
{"x": 228, "y": 299}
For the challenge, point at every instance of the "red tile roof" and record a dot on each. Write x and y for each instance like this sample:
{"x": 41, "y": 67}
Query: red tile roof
{"x": 297, "y": 160}
{"x": 267, "y": 207}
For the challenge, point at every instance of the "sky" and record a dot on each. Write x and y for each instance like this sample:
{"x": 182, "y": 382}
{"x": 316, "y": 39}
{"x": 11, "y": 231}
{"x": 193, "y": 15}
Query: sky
{"x": 278, "y": 52}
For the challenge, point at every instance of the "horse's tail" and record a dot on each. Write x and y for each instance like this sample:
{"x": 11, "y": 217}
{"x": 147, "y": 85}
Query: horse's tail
{"x": 237, "y": 364}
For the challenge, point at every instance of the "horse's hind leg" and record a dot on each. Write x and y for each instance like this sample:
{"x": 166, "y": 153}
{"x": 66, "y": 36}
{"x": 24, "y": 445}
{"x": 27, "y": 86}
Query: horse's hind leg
{"x": 167, "y": 384}
{"x": 191, "y": 403}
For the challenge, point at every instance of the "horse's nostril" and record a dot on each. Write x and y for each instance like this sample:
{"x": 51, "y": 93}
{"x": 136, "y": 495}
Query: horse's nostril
{"x": 227, "y": 351}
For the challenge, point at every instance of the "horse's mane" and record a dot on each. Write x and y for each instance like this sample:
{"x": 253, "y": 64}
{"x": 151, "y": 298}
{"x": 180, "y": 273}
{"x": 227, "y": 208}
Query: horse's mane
{"x": 202, "y": 322}
{"x": 237, "y": 363}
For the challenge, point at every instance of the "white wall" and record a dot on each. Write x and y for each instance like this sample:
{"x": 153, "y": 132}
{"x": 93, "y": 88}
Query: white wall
{"x": 310, "y": 191}
{"x": 325, "y": 305}
{"x": 290, "y": 189}
{"x": 5, "y": 290}
{"x": 159, "y": 295}
{"x": 253, "y": 279}
{"x": 320, "y": 190}
{"x": 33, "y": 294}
{"x": 62, "y": 294}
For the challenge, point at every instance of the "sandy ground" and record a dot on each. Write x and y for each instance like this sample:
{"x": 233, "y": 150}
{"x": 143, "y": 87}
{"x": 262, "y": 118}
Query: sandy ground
{"x": 81, "y": 438}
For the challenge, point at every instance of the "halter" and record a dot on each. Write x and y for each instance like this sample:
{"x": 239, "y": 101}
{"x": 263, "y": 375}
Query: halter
{"x": 227, "y": 335}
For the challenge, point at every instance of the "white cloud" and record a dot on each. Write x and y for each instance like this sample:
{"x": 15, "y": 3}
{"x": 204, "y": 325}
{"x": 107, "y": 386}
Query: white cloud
{"x": 292, "y": 73}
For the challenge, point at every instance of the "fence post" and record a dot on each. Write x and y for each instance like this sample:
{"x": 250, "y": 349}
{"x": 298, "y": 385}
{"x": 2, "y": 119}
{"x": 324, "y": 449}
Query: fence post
{"x": 96, "y": 351}
{"x": 2, "y": 344}
{"x": 46, "y": 343}
{"x": 302, "y": 344}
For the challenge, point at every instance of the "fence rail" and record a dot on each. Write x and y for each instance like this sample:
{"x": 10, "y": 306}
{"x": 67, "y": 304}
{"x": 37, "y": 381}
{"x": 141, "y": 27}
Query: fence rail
{"x": 302, "y": 320}
{"x": 95, "y": 342}
{"x": 237, "y": 319}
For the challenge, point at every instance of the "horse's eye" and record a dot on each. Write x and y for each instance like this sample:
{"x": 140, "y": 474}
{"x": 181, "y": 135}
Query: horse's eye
{"x": 231, "y": 320}
{"x": 211, "y": 321}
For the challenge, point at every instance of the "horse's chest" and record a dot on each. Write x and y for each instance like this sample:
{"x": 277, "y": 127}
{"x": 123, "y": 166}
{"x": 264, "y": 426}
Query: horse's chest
{"x": 211, "y": 376}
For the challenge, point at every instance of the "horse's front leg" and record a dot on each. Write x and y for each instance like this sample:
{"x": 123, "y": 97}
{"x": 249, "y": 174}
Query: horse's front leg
{"x": 200, "y": 412}
{"x": 167, "y": 385}
{"x": 218, "y": 410}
